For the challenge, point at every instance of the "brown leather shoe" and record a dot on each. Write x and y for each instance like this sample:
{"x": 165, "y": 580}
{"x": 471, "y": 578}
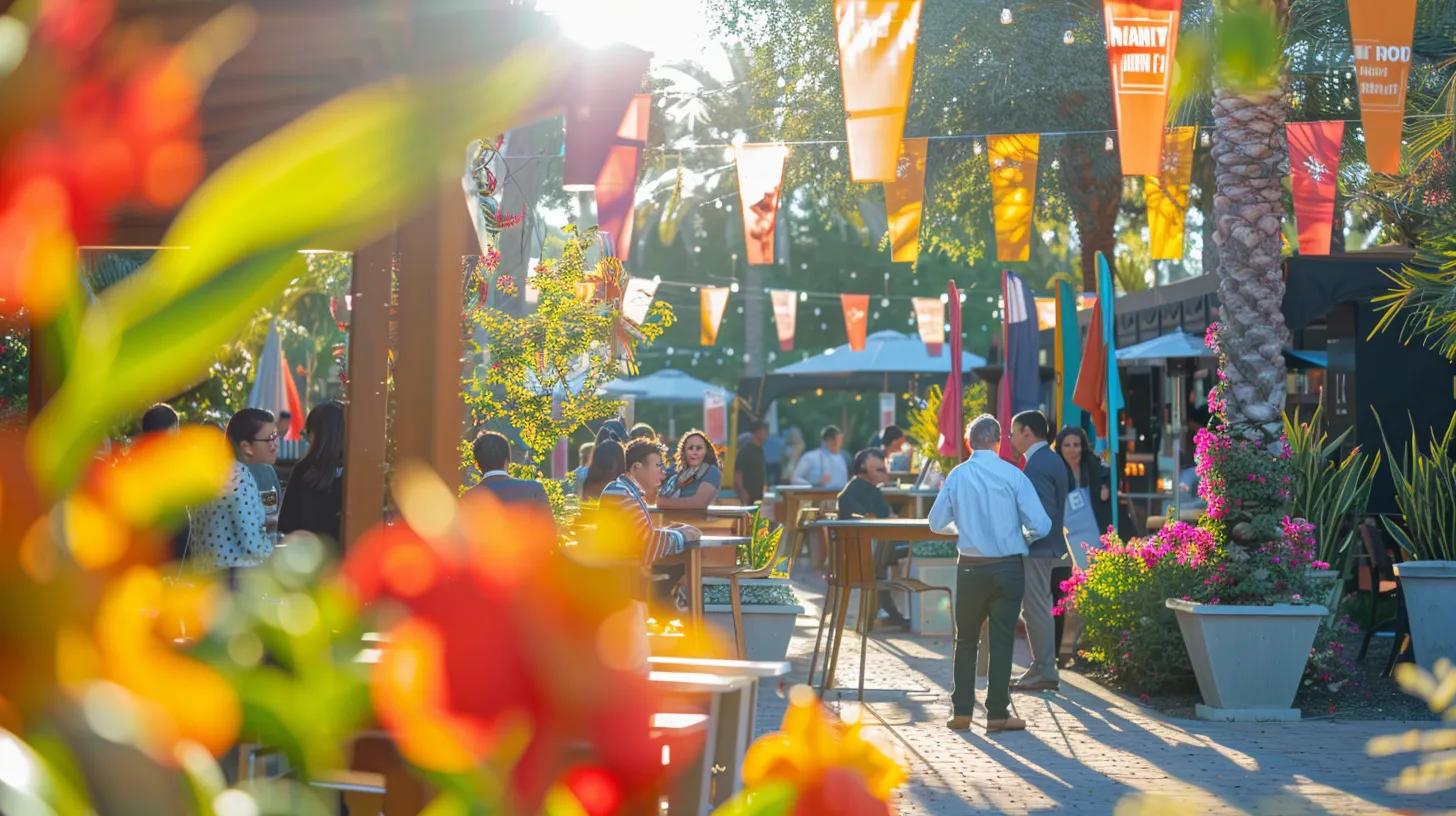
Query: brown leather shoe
{"x": 1008, "y": 724}
{"x": 959, "y": 723}
{"x": 1037, "y": 685}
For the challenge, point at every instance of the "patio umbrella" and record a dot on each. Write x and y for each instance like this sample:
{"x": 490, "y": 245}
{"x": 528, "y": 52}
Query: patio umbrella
{"x": 1177, "y": 344}
{"x": 885, "y": 352}
{"x": 274, "y": 390}
{"x": 668, "y": 385}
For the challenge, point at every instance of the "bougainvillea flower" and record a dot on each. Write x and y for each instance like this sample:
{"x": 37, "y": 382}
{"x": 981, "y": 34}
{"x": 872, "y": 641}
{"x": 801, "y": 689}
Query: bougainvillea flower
{"x": 509, "y": 651}
{"x": 830, "y": 763}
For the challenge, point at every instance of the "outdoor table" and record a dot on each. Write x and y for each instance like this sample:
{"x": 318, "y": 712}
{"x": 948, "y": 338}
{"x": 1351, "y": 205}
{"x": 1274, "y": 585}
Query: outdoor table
{"x": 733, "y": 743}
{"x": 726, "y": 700}
{"x": 909, "y": 500}
{"x": 794, "y": 497}
{"x": 865, "y": 532}
{"x": 732, "y": 518}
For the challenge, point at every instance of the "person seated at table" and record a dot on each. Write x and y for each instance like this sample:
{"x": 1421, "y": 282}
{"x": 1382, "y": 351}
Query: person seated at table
{"x": 824, "y": 467}
{"x": 696, "y": 479}
{"x": 642, "y": 431}
{"x": 862, "y": 498}
{"x": 896, "y": 445}
{"x": 584, "y": 458}
{"x": 629, "y": 493}
{"x": 492, "y": 452}
{"x": 607, "y": 463}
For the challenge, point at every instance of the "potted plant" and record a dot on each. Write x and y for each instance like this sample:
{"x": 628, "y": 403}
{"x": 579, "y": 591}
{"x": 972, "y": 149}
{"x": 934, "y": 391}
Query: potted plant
{"x": 1425, "y": 493}
{"x": 1331, "y": 493}
{"x": 767, "y": 602}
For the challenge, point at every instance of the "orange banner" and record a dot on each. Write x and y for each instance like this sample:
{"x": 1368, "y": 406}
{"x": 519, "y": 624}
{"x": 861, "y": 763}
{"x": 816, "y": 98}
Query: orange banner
{"x": 1314, "y": 164}
{"x": 930, "y": 319}
{"x": 712, "y": 303}
{"x": 856, "y": 319}
{"x": 1013, "y": 192}
{"x": 903, "y": 201}
{"x": 760, "y": 172}
{"x": 1380, "y": 32}
{"x": 786, "y": 311}
{"x": 876, "y": 64}
{"x": 1141, "y": 38}
{"x": 1046, "y": 313}
{"x": 1167, "y": 194}
{"x": 600, "y": 93}
{"x": 616, "y": 187}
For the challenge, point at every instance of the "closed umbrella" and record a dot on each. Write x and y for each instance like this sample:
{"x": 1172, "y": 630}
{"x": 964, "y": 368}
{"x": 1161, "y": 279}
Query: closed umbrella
{"x": 274, "y": 390}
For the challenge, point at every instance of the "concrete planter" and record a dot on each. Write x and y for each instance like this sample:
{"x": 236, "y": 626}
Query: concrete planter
{"x": 1248, "y": 659}
{"x": 767, "y": 627}
{"x": 928, "y": 613}
{"x": 1429, "y": 588}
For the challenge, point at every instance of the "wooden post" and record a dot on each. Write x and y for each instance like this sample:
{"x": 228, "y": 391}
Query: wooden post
{"x": 429, "y": 412}
{"x": 367, "y": 388}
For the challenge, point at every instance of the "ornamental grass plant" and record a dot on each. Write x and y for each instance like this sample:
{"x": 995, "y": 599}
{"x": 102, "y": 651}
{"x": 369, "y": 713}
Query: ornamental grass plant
{"x": 1425, "y": 493}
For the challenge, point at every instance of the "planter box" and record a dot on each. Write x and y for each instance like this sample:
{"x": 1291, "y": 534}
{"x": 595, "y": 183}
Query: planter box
{"x": 1248, "y": 659}
{"x": 1429, "y": 588}
{"x": 928, "y": 613}
{"x": 767, "y": 626}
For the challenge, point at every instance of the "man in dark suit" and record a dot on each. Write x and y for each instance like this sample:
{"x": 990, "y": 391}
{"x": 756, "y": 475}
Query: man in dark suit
{"x": 492, "y": 455}
{"x": 1051, "y": 478}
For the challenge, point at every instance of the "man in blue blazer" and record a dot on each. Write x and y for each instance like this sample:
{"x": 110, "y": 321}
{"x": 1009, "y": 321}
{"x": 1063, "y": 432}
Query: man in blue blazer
{"x": 1051, "y": 477}
{"x": 492, "y": 454}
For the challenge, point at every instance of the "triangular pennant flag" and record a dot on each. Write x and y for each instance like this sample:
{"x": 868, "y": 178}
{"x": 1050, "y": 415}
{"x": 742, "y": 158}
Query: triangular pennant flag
{"x": 713, "y": 302}
{"x": 930, "y": 320}
{"x": 1167, "y": 194}
{"x": 903, "y": 198}
{"x": 760, "y": 172}
{"x": 637, "y": 298}
{"x": 1142, "y": 36}
{"x": 785, "y": 310}
{"x": 1314, "y": 161}
{"x": 1013, "y": 192}
{"x": 616, "y": 187}
{"x": 1381, "y": 32}
{"x": 876, "y": 41}
{"x": 598, "y": 97}
{"x": 856, "y": 319}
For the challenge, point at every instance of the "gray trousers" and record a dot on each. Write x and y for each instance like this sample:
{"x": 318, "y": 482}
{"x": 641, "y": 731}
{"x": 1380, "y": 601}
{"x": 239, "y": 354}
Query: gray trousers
{"x": 1036, "y": 613}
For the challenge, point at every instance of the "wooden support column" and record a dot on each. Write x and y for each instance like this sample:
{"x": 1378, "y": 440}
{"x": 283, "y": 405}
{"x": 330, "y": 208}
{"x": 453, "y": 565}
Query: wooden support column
{"x": 429, "y": 412}
{"x": 367, "y": 389}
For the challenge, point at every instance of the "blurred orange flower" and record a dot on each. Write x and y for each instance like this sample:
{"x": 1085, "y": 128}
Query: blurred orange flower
{"x": 830, "y": 763}
{"x": 511, "y": 654}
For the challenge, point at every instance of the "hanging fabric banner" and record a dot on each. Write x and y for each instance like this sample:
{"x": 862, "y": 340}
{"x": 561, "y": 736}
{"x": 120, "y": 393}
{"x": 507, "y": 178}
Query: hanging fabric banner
{"x": 599, "y": 96}
{"x": 876, "y": 64}
{"x": 951, "y": 419}
{"x": 712, "y": 302}
{"x": 637, "y": 298}
{"x": 1166, "y": 194}
{"x": 1046, "y": 312}
{"x": 1314, "y": 161}
{"x": 1380, "y": 33}
{"x": 760, "y": 172}
{"x": 1020, "y": 386}
{"x": 616, "y": 188}
{"x": 1068, "y": 356}
{"x": 715, "y": 416}
{"x": 1013, "y": 192}
{"x": 786, "y": 310}
{"x": 856, "y": 319}
{"x": 930, "y": 319}
{"x": 903, "y": 198}
{"x": 1141, "y": 38}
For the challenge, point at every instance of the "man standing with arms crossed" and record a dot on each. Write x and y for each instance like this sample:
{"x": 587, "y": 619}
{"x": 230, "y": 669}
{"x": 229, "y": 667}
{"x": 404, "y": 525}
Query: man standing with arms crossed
{"x": 990, "y": 506}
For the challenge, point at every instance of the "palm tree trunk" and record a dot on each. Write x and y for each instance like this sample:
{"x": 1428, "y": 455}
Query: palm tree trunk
{"x": 1249, "y": 158}
{"x": 1093, "y": 185}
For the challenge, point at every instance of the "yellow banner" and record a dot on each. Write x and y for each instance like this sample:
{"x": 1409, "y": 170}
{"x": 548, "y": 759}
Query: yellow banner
{"x": 1013, "y": 192}
{"x": 903, "y": 201}
{"x": 712, "y": 303}
{"x": 1167, "y": 194}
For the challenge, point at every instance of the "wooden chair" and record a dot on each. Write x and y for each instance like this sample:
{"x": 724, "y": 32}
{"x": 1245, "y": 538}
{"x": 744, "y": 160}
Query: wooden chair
{"x": 1375, "y": 576}
{"x": 734, "y": 574}
{"x": 853, "y": 566}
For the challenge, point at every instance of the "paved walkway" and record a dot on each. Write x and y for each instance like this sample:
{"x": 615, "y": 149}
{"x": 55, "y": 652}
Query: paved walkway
{"x": 1087, "y": 749}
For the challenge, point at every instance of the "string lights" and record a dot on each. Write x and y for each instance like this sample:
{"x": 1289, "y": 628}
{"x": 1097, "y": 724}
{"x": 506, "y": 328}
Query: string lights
{"x": 1006, "y": 18}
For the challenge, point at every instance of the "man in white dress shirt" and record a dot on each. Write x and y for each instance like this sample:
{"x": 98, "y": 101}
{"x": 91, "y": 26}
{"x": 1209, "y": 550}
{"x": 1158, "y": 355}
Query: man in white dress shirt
{"x": 824, "y": 466}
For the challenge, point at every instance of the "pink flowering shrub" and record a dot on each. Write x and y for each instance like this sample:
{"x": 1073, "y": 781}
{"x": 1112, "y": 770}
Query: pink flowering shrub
{"x": 1131, "y": 634}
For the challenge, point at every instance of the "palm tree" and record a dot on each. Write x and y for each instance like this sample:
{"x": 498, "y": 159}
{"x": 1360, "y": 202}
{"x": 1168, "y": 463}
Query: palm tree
{"x": 1249, "y": 155}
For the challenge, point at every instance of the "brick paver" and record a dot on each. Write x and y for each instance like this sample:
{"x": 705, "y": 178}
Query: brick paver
{"x": 1087, "y": 749}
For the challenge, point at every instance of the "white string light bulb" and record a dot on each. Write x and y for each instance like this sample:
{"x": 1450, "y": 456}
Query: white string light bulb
{"x": 1006, "y": 18}
{"x": 1108, "y": 145}
{"x": 1068, "y": 38}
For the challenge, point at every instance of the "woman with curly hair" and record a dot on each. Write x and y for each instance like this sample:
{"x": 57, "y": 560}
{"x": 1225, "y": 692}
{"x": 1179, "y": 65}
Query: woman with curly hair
{"x": 696, "y": 478}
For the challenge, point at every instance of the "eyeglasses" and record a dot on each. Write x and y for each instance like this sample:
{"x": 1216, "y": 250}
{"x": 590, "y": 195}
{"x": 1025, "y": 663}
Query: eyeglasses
{"x": 273, "y": 438}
